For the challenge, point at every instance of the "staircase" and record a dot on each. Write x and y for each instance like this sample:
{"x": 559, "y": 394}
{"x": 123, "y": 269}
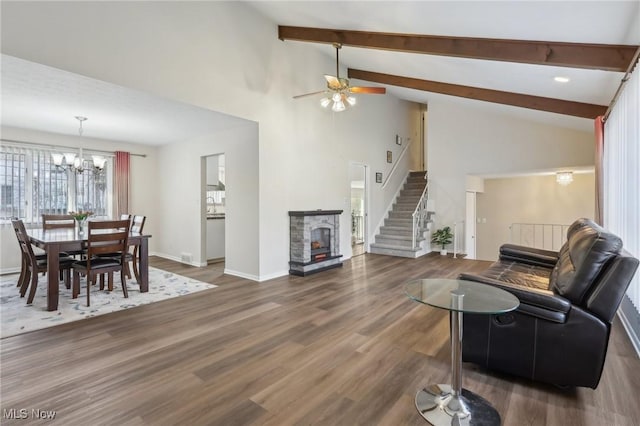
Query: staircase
{"x": 396, "y": 235}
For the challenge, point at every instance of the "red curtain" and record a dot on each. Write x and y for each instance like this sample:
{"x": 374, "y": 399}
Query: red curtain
{"x": 122, "y": 181}
{"x": 599, "y": 132}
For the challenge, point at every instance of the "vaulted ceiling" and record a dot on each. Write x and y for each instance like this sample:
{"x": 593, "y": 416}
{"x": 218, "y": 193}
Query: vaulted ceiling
{"x": 497, "y": 56}
{"x": 500, "y": 55}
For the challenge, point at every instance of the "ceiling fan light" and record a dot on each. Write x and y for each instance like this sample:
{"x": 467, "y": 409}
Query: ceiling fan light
{"x": 351, "y": 100}
{"x": 325, "y": 102}
{"x": 337, "y": 97}
{"x": 338, "y": 106}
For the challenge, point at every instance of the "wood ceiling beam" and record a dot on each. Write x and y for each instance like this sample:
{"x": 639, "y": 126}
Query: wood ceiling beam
{"x": 559, "y": 106}
{"x": 606, "y": 57}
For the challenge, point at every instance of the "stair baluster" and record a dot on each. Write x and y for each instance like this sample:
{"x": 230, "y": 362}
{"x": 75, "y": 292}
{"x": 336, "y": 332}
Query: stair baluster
{"x": 420, "y": 213}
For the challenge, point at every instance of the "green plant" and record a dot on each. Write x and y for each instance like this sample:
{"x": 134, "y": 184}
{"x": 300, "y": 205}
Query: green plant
{"x": 80, "y": 215}
{"x": 442, "y": 236}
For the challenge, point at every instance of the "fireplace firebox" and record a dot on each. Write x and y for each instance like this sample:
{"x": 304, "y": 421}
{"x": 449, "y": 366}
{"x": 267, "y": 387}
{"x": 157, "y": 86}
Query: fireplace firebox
{"x": 314, "y": 241}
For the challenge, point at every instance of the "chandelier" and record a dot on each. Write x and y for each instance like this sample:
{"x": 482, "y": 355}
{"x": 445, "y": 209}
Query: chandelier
{"x": 564, "y": 178}
{"x": 76, "y": 164}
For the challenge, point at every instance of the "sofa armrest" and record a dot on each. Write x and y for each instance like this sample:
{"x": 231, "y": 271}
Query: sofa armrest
{"x": 535, "y": 302}
{"x": 529, "y": 255}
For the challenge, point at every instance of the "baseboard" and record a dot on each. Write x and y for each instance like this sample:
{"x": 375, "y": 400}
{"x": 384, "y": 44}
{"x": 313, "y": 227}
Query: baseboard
{"x": 226, "y": 270}
{"x": 241, "y": 275}
{"x": 177, "y": 259}
{"x": 273, "y": 275}
{"x": 8, "y": 271}
{"x": 627, "y": 323}
{"x": 257, "y": 278}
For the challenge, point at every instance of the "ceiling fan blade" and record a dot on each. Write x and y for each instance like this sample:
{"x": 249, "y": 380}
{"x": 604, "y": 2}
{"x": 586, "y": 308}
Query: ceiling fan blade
{"x": 308, "y": 94}
{"x": 333, "y": 82}
{"x": 370, "y": 90}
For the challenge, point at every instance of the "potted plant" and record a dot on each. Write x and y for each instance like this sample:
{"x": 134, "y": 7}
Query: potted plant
{"x": 81, "y": 218}
{"x": 442, "y": 237}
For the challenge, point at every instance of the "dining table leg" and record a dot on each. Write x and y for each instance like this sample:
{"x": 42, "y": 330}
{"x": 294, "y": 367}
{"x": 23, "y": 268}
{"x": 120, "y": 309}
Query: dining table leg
{"x": 144, "y": 265}
{"x": 53, "y": 266}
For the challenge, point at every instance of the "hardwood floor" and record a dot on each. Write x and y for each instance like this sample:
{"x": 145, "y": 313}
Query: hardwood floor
{"x": 342, "y": 347}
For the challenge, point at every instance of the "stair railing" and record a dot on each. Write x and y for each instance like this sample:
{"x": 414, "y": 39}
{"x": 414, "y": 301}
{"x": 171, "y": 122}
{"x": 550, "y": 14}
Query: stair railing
{"x": 419, "y": 215}
{"x": 546, "y": 236}
{"x": 398, "y": 161}
{"x": 458, "y": 229}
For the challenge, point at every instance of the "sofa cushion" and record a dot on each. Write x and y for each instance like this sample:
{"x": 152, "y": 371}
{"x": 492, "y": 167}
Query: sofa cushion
{"x": 517, "y": 273}
{"x": 581, "y": 259}
{"x": 573, "y": 228}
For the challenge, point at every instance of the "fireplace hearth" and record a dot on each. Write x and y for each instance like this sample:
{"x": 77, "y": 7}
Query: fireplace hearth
{"x": 314, "y": 241}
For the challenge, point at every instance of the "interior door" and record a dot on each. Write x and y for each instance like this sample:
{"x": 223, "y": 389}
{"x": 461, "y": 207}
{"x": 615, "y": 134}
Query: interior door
{"x": 358, "y": 210}
{"x": 470, "y": 226}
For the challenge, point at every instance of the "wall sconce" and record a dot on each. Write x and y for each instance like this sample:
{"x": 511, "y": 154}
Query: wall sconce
{"x": 564, "y": 178}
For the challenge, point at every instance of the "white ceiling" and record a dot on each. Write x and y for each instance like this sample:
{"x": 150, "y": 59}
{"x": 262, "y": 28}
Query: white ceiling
{"x": 602, "y": 22}
{"x": 39, "y": 97}
{"x": 31, "y": 92}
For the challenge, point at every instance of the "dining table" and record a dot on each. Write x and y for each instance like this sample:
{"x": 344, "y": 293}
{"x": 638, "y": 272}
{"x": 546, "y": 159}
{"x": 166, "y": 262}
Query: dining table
{"x": 55, "y": 241}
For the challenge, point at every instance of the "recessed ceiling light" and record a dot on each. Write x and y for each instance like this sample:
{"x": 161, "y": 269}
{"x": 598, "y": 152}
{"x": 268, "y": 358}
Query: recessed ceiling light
{"x": 561, "y": 79}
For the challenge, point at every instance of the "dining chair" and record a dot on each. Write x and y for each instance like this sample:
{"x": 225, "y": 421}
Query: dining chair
{"x": 32, "y": 265}
{"x": 55, "y": 221}
{"x": 109, "y": 236}
{"x": 61, "y": 221}
{"x": 137, "y": 225}
{"x": 39, "y": 256}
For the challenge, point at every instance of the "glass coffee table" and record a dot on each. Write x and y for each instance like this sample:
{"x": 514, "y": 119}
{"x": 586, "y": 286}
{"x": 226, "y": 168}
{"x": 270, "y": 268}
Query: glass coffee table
{"x": 443, "y": 404}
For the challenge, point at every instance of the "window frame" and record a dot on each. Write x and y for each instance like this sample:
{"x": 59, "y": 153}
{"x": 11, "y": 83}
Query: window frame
{"x": 31, "y": 213}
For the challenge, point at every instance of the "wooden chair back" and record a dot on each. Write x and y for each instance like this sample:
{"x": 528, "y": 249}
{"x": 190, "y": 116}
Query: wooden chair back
{"x": 137, "y": 223}
{"x": 53, "y": 221}
{"x": 23, "y": 240}
{"x": 108, "y": 236}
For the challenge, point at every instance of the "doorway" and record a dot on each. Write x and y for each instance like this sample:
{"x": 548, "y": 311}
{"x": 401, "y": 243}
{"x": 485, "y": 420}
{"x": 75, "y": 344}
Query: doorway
{"x": 358, "y": 186}
{"x": 470, "y": 226}
{"x": 215, "y": 214}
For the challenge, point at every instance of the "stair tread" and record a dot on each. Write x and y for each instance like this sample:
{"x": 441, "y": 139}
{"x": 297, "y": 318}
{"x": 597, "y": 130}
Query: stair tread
{"x": 396, "y": 235}
{"x": 394, "y": 247}
{"x": 399, "y": 237}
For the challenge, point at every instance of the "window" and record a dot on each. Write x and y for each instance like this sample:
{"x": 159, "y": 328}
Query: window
{"x": 31, "y": 185}
{"x": 621, "y": 165}
{"x": 12, "y": 187}
{"x": 49, "y": 186}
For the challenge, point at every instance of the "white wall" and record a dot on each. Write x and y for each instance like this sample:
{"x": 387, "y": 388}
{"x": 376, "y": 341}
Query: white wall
{"x": 183, "y": 201}
{"x": 529, "y": 199}
{"x": 466, "y": 140}
{"x": 212, "y": 169}
{"x": 144, "y": 189}
{"x": 225, "y": 57}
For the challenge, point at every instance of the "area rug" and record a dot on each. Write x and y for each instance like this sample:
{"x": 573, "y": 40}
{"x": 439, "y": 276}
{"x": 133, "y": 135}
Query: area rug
{"x": 17, "y": 317}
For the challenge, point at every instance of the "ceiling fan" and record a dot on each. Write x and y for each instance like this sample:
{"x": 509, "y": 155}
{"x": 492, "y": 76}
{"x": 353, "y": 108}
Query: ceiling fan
{"x": 338, "y": 90}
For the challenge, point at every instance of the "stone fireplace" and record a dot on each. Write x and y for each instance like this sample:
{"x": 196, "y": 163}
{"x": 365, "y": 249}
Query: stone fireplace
{"x": 314, "y": 241}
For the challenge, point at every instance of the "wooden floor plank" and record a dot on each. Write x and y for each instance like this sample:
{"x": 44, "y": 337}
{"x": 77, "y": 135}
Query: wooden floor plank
{"x": 341, "y": 347}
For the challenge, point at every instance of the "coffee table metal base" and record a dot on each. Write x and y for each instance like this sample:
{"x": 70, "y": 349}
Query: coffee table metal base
{"x": 438, "y": 406}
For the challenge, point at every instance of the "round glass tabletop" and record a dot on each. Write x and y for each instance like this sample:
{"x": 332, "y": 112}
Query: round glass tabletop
{"x": 477, "y": 298}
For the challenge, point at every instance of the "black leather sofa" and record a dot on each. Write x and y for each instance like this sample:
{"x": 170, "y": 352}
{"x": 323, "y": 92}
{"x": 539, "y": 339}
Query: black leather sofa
{"x": 560, "y": 332}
